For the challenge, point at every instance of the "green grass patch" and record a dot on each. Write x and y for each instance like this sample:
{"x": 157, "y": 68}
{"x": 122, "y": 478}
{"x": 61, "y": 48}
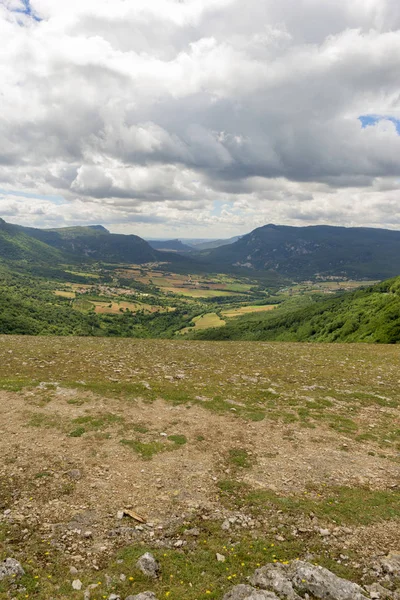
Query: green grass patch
{"x": 239, "y": 457}
{"x": 78, "y": 432}
{"x": 146, "y": 450}
{"x": 179, "y": 440}
{"x": 101, "y": 421}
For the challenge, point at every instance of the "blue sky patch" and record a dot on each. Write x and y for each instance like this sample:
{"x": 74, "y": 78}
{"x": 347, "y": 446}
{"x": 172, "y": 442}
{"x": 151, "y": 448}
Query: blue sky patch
{"x": 26, "y": 10}
{"x": 371, "y": 120}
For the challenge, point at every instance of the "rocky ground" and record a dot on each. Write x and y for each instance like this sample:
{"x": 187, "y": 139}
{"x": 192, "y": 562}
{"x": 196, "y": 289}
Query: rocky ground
{"x": 216, "y": 458}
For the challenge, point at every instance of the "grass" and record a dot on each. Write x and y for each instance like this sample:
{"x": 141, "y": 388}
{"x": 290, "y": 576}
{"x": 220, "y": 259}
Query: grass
{"x": 78, "y": 432}
{"x": 65, "y": 294}
{"x": 337, "y": 505}
{"x": 239, "y": 457}
{"x": 97, "y": 422}
{"x": 146, "y": 450}
{"x": 244, "y": 310}
{"x": 179, "y": 440}
{"x": 204, "y": 322}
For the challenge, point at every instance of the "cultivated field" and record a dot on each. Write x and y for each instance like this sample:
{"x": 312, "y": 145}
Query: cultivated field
{"x": 258, "y": 451}
{"x": 245, "y": 310}
{"x": 204, "y": 322}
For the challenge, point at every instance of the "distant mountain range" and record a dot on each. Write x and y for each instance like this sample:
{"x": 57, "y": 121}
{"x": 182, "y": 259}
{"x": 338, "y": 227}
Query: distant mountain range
{"x": 296, "y": 253}
{"x": 307, "y": 252}
{"x": 170, "y": 246}
{"x": 190, "y": 246}
{"x": 209, "y": 245}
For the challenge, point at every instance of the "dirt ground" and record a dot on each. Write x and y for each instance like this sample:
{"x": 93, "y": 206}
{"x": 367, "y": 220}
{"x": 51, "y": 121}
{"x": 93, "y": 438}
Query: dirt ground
{"x": 61, "y": 483}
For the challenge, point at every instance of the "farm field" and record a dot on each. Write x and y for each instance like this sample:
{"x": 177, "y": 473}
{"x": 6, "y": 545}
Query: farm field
{"x": 204, "y": 322}
{"x": 327, "y": 287}
{"x": 244, "y": 310}
{"x": 187, "y": 284}
{"x": 116, "y": 307}
{"x": 260, "y": 452}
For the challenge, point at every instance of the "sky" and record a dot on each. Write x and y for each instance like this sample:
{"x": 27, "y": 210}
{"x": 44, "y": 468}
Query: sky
{"x": 199, "y": 118}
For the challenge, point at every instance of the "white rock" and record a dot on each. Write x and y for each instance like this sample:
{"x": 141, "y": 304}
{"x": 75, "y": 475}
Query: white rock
{"x": 220, "y": 557}
{"x": 77, "y": 584}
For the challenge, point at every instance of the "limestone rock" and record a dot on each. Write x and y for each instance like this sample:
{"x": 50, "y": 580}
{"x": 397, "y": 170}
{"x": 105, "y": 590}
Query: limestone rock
{"x": 275, "y": 577}
{"x": 246, "y": 592}
{"x": 391, "y": 564}
{"x": 323, "y": 584}
{"x": 11, "y": 568}
{"x": 148, "y": 565}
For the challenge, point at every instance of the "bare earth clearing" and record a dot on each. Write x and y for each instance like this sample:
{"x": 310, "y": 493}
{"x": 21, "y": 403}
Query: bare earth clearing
{"x": 258, "y": 451}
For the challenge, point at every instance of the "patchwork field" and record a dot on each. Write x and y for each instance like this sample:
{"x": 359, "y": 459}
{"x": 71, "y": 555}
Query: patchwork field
{"x": 187, "y": 285}
{"x": 257, "y": 451}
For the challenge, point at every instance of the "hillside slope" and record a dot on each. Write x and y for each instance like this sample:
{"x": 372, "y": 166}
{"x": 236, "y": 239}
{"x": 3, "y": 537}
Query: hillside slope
{"x": 368, "y": 315}
{"x": 81, "y": 244}
{"x": 306, "y": 252}
{"x": 16, "y": 245}
{"x": 96, "y": 243}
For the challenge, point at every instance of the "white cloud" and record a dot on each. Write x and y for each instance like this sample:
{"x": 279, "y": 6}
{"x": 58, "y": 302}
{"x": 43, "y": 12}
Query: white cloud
{"x": 134, "y": 110}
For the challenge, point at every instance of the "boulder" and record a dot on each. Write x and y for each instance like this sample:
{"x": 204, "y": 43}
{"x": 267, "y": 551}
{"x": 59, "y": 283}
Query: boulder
{"x": 275, "y": 577}
{"x": 322, "y": 583}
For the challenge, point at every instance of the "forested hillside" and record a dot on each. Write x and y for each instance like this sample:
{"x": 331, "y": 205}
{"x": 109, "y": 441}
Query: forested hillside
{"x": 307, "y": 252}
{"x": 367, "y": 315}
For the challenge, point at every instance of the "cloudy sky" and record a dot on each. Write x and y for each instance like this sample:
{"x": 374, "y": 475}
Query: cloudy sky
{"x": 199, "y": 118}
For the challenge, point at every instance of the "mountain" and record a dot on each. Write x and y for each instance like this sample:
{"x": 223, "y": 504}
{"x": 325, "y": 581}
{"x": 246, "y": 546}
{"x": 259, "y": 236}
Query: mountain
{"x": 211, "y": 244}
{"x": 367, "y": 315}
{"x": 76, "y": 243}
{"x": 307, "y": 252}
{"x": 16, "y": 245}
{"x": 170, "y": 246}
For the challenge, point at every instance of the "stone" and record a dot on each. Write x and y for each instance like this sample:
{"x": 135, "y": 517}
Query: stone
{"x": 226, "y": 525}
{"x": 142, "y": 596}
{"x": 378, "y": 592}
{"x": 220, "y": 557}
{"x": 75, "y": 474}
{"x": 148, "y": 565}
{"x": 275, "y": 577}
{"x": 73, "y": 570}
{"x": 11, "y": 568}
{"x": 89, "y": 590}
{"x": 247, "y": 592}
{"x": 195, "y": 532}
{"x": 114, "y": 597}
{"x": 323, "y": 584}
{"x": 77, "y": 584}
{"x": 324, "y": 532}
{"x": 391, "y": 563}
